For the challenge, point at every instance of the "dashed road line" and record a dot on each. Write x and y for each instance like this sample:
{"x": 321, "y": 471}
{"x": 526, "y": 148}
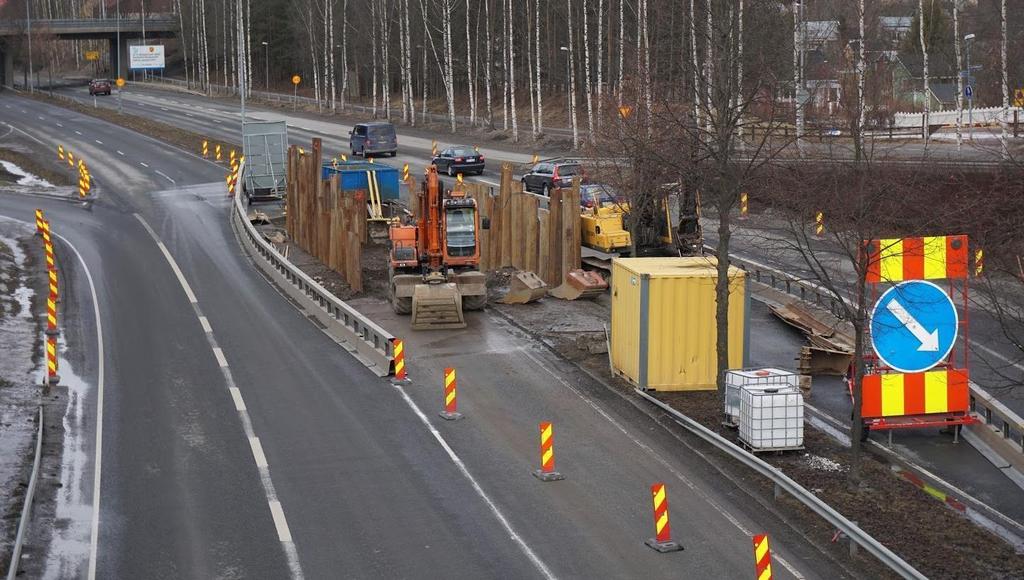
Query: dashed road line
{"x": 60, "y": 125}
{"x": 205, "y": 324}
{"x": 41, "y": 118}
{"x": 143, "y": 164}
{"x": 284, "y": 534}
{"x": 121, "y": 153}
{"x": 99, "y": 142}
{"x": 77, "y": 132}
{"x": 165, "y": 176}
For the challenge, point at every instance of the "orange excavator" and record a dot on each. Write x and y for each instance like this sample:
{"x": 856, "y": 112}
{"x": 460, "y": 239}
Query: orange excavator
{"x": 434, "y": 265}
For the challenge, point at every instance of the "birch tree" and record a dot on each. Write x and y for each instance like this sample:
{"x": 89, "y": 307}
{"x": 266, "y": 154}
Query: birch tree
{"x": 586, "y": 72}
{"x": 344, "y": 52}
{"x": 859, "y": 146}
{"x": 529, "y": 70}
{"x": 469, "y": 70}
{"x": 489, "y": 64}
{"x": 572, "y": 79}
{"x": 622, "y": 46}
{"x": 924, "y": 70}
{"x": 1006, "y": 87}
{"x": 600, "y": 57}
{"x": 512, "y": 75}
{"x": 959, "y": 77}
{"x": 540, "y": 92}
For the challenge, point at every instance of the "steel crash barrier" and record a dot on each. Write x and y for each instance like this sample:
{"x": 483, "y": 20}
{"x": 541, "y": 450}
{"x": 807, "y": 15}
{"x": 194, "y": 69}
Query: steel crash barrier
{"x": 360, "y": 336}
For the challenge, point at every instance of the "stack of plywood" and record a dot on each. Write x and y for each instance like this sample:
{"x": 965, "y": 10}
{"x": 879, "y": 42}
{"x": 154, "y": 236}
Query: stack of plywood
{"x": 324, "y": 221}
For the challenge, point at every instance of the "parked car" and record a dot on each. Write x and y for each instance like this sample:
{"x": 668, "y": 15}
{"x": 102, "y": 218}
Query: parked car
{"x": 547, "y": 175}
{"x": 99, "y": 87}
{"x": 459, "y": 159}
{"x": 373, "y": 138}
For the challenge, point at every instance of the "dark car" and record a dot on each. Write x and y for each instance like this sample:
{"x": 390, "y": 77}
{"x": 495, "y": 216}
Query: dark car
{"x": 373, "y": 138}
{"x": 99, "y": 87}
{"x": 547, "y": 175}
{"x": 460, "y": 159}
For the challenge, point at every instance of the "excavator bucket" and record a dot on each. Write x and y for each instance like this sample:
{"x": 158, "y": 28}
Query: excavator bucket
{"x": 526, "y": 287}
{"x": 437, "y": 306}
{"x": 581, "y": 284}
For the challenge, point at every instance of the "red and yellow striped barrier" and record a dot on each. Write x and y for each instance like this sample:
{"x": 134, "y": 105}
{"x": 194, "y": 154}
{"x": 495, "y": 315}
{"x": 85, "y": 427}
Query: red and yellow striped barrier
{"x": 51, "y": 360}
{"x": 903, "y": 394}
{"x": 450, "y": 411}
{"x": 762, "y": 558}
{"x": 39, "y": 222}
{"x": 547, "y": 455}
{"x": 662, "y": 540}
{"x": 918, "y": 258}
{"x": 48, "y": 246}
{"x": 398, "y": 350}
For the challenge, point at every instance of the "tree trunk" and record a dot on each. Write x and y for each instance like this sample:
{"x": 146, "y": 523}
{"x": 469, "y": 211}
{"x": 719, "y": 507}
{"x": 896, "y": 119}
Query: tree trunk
{"x": 959, "y": 77}
{"x": 540, "y": 91}
{"x": 861, "y": 67}
{"x": 489, "y": 64}
{"x": 512, "y": 76}
{"x": 504, "y": 65}
{"x": 622, "y": 46}
{"x": 572, "y": 78}
{"x": 529, "y": 71}
{"x": 344, "y": 52}
{"x": 1006, "y": 86}
{"x": 449, "y": 84}
{"x": 924, "y": 71}
{"x": 586, "y": 72}
{"x": 373, "y": 56}
{"x": 469, "y": 71}
{"x": 600, "y": 59}
{"x": 696, "y": 66}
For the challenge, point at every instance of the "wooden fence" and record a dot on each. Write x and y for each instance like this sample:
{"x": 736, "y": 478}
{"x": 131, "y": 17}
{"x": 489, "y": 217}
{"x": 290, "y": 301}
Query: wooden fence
{"x": 323, "y": 220}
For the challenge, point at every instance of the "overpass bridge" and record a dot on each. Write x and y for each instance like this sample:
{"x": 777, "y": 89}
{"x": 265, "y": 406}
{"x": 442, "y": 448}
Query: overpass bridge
{"x": 130, "y": 29}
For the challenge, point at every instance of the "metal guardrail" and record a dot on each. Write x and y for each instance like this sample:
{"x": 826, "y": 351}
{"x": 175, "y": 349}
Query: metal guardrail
{"x": 26, "y": 508}
{"x": 784, "y": 483}
{"x": 364, "y": 339}
{"x": 991, "y": 411}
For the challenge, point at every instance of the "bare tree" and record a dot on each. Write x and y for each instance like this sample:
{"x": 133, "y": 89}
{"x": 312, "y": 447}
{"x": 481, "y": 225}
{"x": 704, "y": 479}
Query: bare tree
{"x": 1005, "y": 88}
{"x": 959, "y": 77}
{"x": 469, "y": 70}
{"x": 572, "y": 79}
{"x": 924, "y": 71}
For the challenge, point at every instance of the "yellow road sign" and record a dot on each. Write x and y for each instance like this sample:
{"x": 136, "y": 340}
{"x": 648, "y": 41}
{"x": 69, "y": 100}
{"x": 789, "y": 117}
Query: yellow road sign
{"x": 92, "y": 55}
{"x": 296, "y": 79}
{"x": 1018, "y": 97}
{"x": 120, "y": 83}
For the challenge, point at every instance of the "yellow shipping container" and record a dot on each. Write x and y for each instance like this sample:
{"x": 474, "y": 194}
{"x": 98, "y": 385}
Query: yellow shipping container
{"x": 663, "y": 322}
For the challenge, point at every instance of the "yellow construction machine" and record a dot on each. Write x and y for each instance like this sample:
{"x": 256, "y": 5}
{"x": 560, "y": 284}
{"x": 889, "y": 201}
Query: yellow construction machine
{"x": 601, "y": 217}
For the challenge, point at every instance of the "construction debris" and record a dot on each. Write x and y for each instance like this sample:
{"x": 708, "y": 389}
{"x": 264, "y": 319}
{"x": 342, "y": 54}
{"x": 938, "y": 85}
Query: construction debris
{"x": 525, "y": 287}
{"x": 581, "y": 284}
{"x": 831, "y": 347}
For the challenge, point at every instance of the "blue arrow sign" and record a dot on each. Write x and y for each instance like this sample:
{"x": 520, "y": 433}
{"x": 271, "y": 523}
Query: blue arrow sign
{"x": 913, "y": 326}
{"x": 968, "y": 91}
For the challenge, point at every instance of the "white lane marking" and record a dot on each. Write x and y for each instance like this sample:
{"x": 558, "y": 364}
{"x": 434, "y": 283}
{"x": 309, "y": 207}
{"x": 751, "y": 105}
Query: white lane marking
{"x": 97, "y": 460}
{"x": 170, "y": 260}
{"x": 8, "y": 106}
{"x": 164, "y": 109}
{"x": 657, "y": 457}
{"x": 99, "y": 142}
{"x": 60, "y": 125}
{"x": 165, "y": 176}
{"x": 236, "y": 396}
{"x": 283, "y": 533}
{"x": 188, "y": 114}
{"x": 217, "y": 352}
{"x": 280, "y": 523}
{"x": 257, "y": 452}
{"x": 143, "y": 164}
{"x": 41, "y": 118}
{"x": 29, "y": 135}
{"x": 533, "y": 557}
{"x": 205, "y": 324}
{"x": 121, "y": 153}
{"x": 216, "y": 120}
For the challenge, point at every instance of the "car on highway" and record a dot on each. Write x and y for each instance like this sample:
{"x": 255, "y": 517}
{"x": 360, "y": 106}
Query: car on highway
{"x": 99, "y": 87}
{"x": 459, "y": 159}
{"x": 373, "y": 138}
{"x": 549, "y": 174}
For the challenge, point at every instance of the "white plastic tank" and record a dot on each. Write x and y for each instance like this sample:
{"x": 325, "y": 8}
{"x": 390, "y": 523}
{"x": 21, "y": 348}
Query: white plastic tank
{"x": 754, "y": 379}
{"x": 772, "y": 418}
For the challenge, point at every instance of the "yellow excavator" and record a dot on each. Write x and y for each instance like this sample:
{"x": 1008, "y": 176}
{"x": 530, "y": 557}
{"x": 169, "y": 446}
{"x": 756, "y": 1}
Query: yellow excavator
{"x": 601, "y": 217}
{"x": 434, "y": 265}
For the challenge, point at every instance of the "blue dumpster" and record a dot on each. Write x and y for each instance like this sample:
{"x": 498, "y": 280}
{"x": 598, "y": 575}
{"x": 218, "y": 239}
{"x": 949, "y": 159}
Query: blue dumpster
{"x": 355, "y": 175}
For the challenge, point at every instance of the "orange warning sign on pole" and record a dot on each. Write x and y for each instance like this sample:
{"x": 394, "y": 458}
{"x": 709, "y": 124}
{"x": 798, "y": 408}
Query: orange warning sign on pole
{"x": 917, "y": 258}
{"x": 902, "y": 394}
{"x": 547, "y": 455}
{"x": 398, "y": 350}
{"x": 662, "y": 540}
{"x": 450, "y": 411}
{"x": 762, "y": 558}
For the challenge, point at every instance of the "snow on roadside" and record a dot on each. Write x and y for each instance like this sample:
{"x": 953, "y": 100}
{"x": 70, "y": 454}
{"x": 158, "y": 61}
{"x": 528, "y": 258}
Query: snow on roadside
{"x": 24, "y": 177}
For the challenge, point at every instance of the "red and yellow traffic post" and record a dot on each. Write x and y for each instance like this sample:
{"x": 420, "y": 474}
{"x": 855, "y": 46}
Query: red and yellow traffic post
{"x": 71, "y": 160}
{"x": 53, "y": 285}
{"x": 547, "y": 455}
{"x": 398, "y": 350}
{"x": 450, "y": 411}
{"x": 39, "y": 222}
{"x": 206, "y": 149}
{"x": 762, "y": 558}
{"x": 60, "y": 152}
{"x": 819, "y": 224}
{"x": 662, "y": 540}
{"x": 231, "y": 157}
{"x": 744, "y": 207}
{"x": 979, "y": 262}
{"x": 51, "y": 361}
{"x": 216, "y": 152}
{"x": 48, "y": 246}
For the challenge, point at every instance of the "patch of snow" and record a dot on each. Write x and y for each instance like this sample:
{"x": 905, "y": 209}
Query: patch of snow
{"x": 24, "y": 177}
{"x": 823, "y": 463}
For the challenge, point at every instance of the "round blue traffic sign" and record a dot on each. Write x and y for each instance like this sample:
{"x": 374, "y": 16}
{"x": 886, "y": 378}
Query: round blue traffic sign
{"x": 913, "y": 326}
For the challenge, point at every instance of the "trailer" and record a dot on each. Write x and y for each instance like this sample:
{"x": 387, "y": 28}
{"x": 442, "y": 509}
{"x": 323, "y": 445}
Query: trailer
{"x": 265, "y": 147}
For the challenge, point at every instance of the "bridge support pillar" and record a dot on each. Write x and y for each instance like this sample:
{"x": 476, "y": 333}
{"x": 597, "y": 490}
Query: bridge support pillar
{"x": 6, "y": 66}
{"x": 117, "y": 70}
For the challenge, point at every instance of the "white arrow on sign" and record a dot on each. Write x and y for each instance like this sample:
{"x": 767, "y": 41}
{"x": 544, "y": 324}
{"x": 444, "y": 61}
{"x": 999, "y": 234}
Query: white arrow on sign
{"x": 929, "y": 340}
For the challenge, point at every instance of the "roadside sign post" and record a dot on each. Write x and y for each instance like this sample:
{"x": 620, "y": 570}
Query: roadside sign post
{"x": 120, "y": 88}
{"x": 296, "y": 79}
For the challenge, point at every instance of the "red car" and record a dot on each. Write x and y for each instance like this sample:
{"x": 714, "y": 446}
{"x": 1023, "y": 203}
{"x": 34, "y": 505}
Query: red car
{"x": 99, "y": 87}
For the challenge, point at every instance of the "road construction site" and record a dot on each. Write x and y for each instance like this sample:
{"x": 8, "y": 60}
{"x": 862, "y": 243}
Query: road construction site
{"x": 548, "y": 360}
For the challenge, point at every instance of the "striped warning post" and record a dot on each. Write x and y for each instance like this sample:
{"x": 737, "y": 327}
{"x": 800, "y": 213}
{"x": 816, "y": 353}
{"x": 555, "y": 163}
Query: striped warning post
{"x": 71, "y": 159}
{"x": 916, "y": 258}
{"x": 39, "y": 222}
{"x": 450, "y": 411}
{"x": 398, "y": 350}
{"x": 51, "y": 360}
{"x": 48, "y": 246}
{"x": 51, "y": 314}
{"x": 662, "y": 540}
{"x": 231, "y": 156}
{"x": 744, "y": 207}
{"x": 819, "y": 224}
{"x": 547, "y": 455}
{"x": 53, "y": 285}
{"x": 216, "y": 152}
{"x": 206, "y": 148}
{"x": 762, "y": 558}
{"x": 60, "y": 152}
{"x": 912, "y": 394}
{"x": 979, "y": 262}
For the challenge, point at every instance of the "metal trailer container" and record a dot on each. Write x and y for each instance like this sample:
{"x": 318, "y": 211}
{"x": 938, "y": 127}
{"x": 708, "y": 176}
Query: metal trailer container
{"x": 265, "y": 147}
{"x": 762, "y": 379}
{"x": 359, "y": 174}
{"x": 663, "y": 322}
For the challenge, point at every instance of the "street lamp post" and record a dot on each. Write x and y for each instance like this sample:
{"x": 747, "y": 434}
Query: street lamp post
{"x": 28, "y": 21}
{"x": 266, "y": 58}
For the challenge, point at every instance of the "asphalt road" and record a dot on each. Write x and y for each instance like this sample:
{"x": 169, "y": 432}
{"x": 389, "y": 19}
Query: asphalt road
{"x": 369, "y": 481}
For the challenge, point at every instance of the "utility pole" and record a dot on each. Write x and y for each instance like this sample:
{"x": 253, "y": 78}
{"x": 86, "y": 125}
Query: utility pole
{"x": 969, "y": 39}
{"x": 266, "y": 59}
{"x": 241, "y": 67}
